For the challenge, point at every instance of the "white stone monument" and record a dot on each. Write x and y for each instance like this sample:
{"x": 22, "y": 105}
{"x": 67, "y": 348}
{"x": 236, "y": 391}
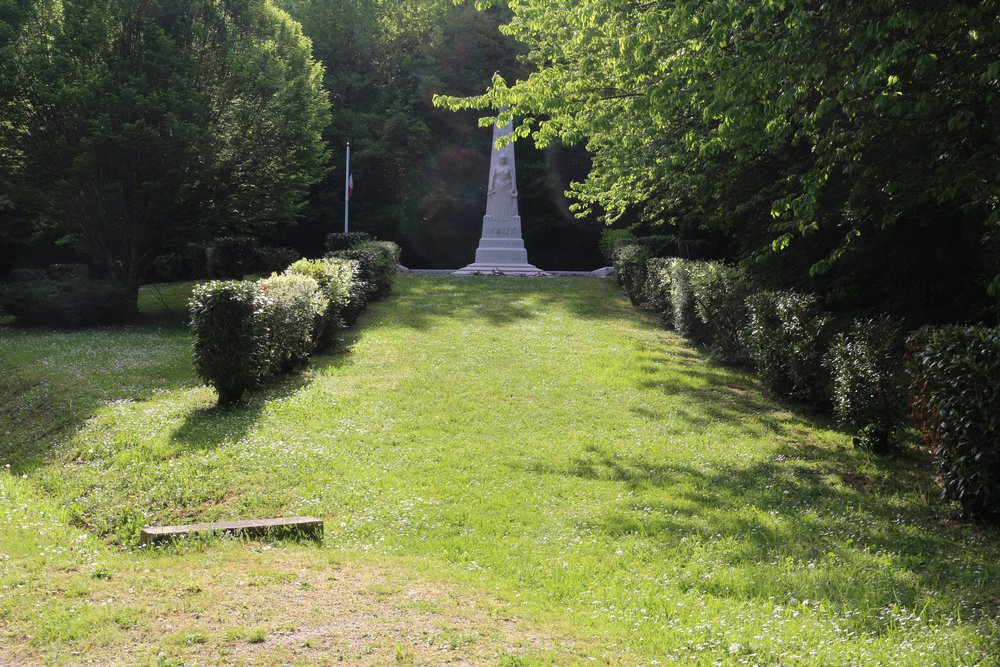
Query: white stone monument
{"x": 501, "y": 248}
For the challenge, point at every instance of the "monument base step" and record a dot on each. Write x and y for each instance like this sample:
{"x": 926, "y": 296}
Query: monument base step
{"x": 500, "y": 269}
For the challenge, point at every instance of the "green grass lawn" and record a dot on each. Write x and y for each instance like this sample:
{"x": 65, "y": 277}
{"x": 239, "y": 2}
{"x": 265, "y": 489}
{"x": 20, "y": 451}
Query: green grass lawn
{"x": 511, "y": 471}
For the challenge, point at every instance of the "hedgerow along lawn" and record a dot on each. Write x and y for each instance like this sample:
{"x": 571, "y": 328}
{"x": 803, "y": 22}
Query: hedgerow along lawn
{"x": 510, "y": 470}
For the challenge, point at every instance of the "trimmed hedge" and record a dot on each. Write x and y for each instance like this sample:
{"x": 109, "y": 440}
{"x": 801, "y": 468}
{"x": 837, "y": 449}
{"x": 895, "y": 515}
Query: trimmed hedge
{"x": 293, "y": 307}
{"x": 630, "y": 259}
{"x": 67, "y": 303}
{"x": 686, "y": 320}
{"x": 336, "y": 278}
{"x": 869, "y": 386}
{"x": 378, "y": 262}
{"x": 340, "y": 241}
{"x": 956, "y": 396}
{"x": 656, "y": 290}
{"x": 246, "y": 331}
{"x": 230, "y": 344}
{"x": 784, "y": 338}
{"x": 719, "y": 292}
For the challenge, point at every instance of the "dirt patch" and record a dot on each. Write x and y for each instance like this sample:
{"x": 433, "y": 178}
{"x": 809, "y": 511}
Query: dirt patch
{"x": 297, "y": 606}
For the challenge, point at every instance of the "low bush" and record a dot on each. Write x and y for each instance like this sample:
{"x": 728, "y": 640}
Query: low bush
{"x": 67, "y": 303}
{"x": 292, "y": 308}
{"x": 230, "y": 343}
{"x": 69, "y": 272}
{"x": 232, "y": 257}
{"x": 630, "y": 260}
{"x": 956, "y": 394}
{"x": 784, "y": 338}
{"x": 275, "y": 260}
{"x": 682, "y": 301}
{"x": 868, "y": 381}
{"x": 719, "y": 292}
{"x": 378, "y": 262}
{"x": 656, "y": 291}
{"x": 336, "y": 279}
{"x": 246, "y": 331}
{"x": 341, "y": 241}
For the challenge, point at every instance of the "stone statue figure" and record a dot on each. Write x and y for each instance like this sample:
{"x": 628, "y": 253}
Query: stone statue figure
{"x": 504, "y": 191}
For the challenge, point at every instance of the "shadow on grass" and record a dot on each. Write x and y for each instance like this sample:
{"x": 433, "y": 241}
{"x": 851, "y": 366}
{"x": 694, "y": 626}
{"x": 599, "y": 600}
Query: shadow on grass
{"x": 419, "y": 301}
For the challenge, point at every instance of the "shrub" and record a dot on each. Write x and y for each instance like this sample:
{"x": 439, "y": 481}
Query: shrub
{"x": 719, "y": 293}
{"x": 685, "y": 315}
{"x": 231, "y": 345}
{"x": 275, "y": 260}
{"x": 232, "y": 257}
{"x": 336, "y": 279}
{"x": 630, "y": 269}
{"x": 65, "y": 303}
{"x": 167, "y": 268}
{"x": 610, "y": 238}
{"x": 869, "y": 395}
{"x": 341, "y": 241}
{"x": 784, "y": 339}
{"x": 293, "y": 306}
{"x": 956, "y": 390}
{"x": 378, "y": 262}
{"x": 69, "y": 272}
{"x": 28, "y": 275}
{"x": 656, "y": 290}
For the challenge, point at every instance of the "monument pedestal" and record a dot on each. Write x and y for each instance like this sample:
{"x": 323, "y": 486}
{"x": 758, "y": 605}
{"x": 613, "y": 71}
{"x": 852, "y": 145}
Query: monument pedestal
{"x": 501, "y": 248}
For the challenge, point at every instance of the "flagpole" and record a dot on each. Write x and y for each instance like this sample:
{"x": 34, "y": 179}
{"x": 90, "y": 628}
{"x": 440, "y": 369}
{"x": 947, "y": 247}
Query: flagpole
{"x": 347, "y": 184}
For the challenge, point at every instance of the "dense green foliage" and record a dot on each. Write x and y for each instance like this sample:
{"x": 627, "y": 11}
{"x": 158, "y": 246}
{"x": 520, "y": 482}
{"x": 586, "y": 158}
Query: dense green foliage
{"x": 869, "y": 386}
{"x": 657, "y": 291}
{"x": 251, "y": 330}
{"x": 230, "y": 346}
{"x": 337, "y": 278}
{"x": 378, "y": 262}
{"x": 856, "y": 131}
{"x": 785, "y": 341}
{"x": 629, "y": 260}
{"x": 719, "y": 293}
{"x": 956, "y": 386}
{"x": 294, "y": 307}
{"x": 685, "y": 315}
{"x": 130, "y": 127}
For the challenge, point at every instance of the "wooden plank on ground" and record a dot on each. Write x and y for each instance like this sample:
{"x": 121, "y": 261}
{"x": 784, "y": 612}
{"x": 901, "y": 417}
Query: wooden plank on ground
{"x": 296, "y": 526}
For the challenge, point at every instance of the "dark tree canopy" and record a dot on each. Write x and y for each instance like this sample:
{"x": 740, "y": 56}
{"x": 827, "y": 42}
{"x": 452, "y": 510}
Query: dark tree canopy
{"x": 829, "y": 130}
{"x": 132, "y": 126}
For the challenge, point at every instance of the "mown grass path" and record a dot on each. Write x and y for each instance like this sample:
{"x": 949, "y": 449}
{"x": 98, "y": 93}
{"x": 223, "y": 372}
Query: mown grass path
{"x": 558, "y": 478}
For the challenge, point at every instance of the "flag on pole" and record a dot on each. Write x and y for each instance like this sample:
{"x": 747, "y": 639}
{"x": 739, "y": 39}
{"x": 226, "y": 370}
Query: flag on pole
{"x": 348, "y": 186}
